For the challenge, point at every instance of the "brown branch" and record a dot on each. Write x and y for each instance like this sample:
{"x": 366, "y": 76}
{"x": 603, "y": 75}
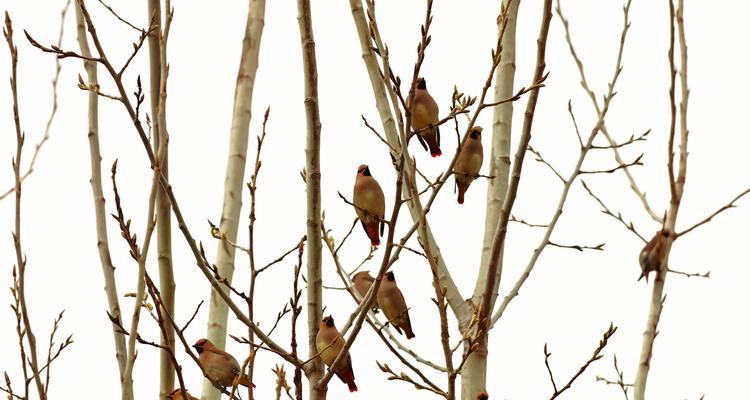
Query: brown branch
{"x": 539, "y": 158}
{"x": 715, "y": 213}
{"x": 620, "y": 382}
{"x": 578, "y": 247}
{"x": 637, "y": 161}
{"x": 628, "y": 225}
{"x": 20, "y": 257}
{"x": 116, "y": 15}
{"x": 392, "y": 376}
{"x": 594, "y": 357}
{"x": 53, "y": 112}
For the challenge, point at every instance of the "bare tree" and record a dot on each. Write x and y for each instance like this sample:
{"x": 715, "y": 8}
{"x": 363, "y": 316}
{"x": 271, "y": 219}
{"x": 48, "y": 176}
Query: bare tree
{"x": 464, "y": 351}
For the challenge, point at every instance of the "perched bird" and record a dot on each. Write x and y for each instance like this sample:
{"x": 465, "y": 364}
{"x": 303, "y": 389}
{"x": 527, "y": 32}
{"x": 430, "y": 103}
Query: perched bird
{"x": 330, "y": 343}
{"x": 391, "y": 301}
{"x": 369, "y": 203}
{"x": 424, "y": 118}
{"x": 653, "y": 253}
{"x": 219, "y": 365}
{"x": 178, "y": 394}
{"x": 469, "y": 162}
{"x": 362, "y": 282}
{"x": 483, "y": 395}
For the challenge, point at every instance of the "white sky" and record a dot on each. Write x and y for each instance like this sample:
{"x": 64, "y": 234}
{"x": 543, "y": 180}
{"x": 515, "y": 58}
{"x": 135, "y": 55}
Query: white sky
{"x": 568, "y": 301}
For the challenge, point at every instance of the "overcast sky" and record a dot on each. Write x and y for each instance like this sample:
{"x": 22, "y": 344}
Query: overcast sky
{"x": 570, "y": 298}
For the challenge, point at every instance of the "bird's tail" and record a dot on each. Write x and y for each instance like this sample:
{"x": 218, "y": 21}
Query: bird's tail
{"x": 408, "y": 331}
{"x": 373, "y": 233}
{"x": 352, "y": 386}
{"x": 433, "y": 142}
{"x": 347, "y": 376}
{"x": 462, "y": 187}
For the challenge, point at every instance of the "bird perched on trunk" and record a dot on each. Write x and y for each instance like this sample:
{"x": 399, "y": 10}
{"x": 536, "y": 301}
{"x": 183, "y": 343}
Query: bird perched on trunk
{"x": 219, "y": 365}
{"x": 652, "y": 255}
{"x": 362, "y": 282}
{"x": 469, "y": 162}
{"x": 369, "y": 203}
{"x": 424, "y": 118}
{"x": 330, "y": 343}
{"x": 178, "y": 394}
{"x": 391, "y": 301}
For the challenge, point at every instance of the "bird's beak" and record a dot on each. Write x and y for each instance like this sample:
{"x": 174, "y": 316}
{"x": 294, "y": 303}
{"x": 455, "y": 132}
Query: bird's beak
{"x": 195, "y": 346}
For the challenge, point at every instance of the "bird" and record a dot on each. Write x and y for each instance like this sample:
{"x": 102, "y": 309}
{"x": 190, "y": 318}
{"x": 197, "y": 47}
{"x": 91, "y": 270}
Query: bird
{"x": 483, "y": 395}
{"x": 391, "y": 301}
{"x": 362, "y": 282}
{"x": 652, "y": 255}
{"x": 219, "y": 365}
{"x": 369, "y": 203}
{"x": 469, "y": 162}
{"x": 329, "y": 343}
{"x": 178, "y": 394}
{"x": 424, "y": 118}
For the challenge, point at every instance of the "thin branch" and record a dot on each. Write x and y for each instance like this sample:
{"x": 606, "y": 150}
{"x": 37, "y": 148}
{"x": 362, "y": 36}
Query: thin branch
{"x": 599, "y": 247}
{"x": 20, "y": 257}
{"x": 715, "y": 213}
{"x": 594, "y": 357}
{"x": 53, "y": 112}
{"x": 628, "y": 225}
{"x": 123, "y": 20}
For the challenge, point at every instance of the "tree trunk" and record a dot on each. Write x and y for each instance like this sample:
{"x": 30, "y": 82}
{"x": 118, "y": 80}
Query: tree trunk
{"x": 157, "y": 73}
{"x": 102, "y": 244}
{"x": 474, "y": 372}
{"x": 233, "y": 182}
{"x": 312, "y": 181}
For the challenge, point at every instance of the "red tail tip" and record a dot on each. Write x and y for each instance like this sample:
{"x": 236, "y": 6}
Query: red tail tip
{"x": 375, "y": 243}
{"x": 352, "y": 387}
{"x": 436, "y": 153}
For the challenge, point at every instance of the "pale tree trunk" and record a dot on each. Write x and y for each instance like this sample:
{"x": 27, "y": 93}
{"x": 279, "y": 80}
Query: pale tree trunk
{"x": 677, "y": 188}
{"x": 157, "y": 72}
{"x": 314, "y": 371}
{"x": 474, "y": 372}
{"x": 233, "y": 181}
{"x": 108, "y": 269}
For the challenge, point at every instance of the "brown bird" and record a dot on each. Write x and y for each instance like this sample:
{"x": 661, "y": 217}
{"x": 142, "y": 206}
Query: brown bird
{"x": 483, "y": 395}
{"x": 469, "y": 162}
{"x": 652, "y": 255}
{"x": 178, "y": 394}
{"x": 369, "y": 203}
{"x": 424, "y": 118}
{"x": 391, "y": 301}
{"x": 362, "y": 282}
{"x": 219, "y": 365}
{"x": 330, "y": 343}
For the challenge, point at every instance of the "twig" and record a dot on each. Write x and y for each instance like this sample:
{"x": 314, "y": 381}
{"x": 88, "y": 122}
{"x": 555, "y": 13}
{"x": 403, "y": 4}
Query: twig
{"x": 599, "y": 110}
{"x": 594, "y": 357}
{"x": 599, "y": 247}
{"x": 123, "y": 20}
{"x": 20, "y": 257}
{"x": 539, "y": 158}
{"x": 53, "y": 112}
{"x": 392, "y": 376}
{"x": 628, "y": 225}
{"x": 620, "y": 382}
{"x": 715, "y": 213}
